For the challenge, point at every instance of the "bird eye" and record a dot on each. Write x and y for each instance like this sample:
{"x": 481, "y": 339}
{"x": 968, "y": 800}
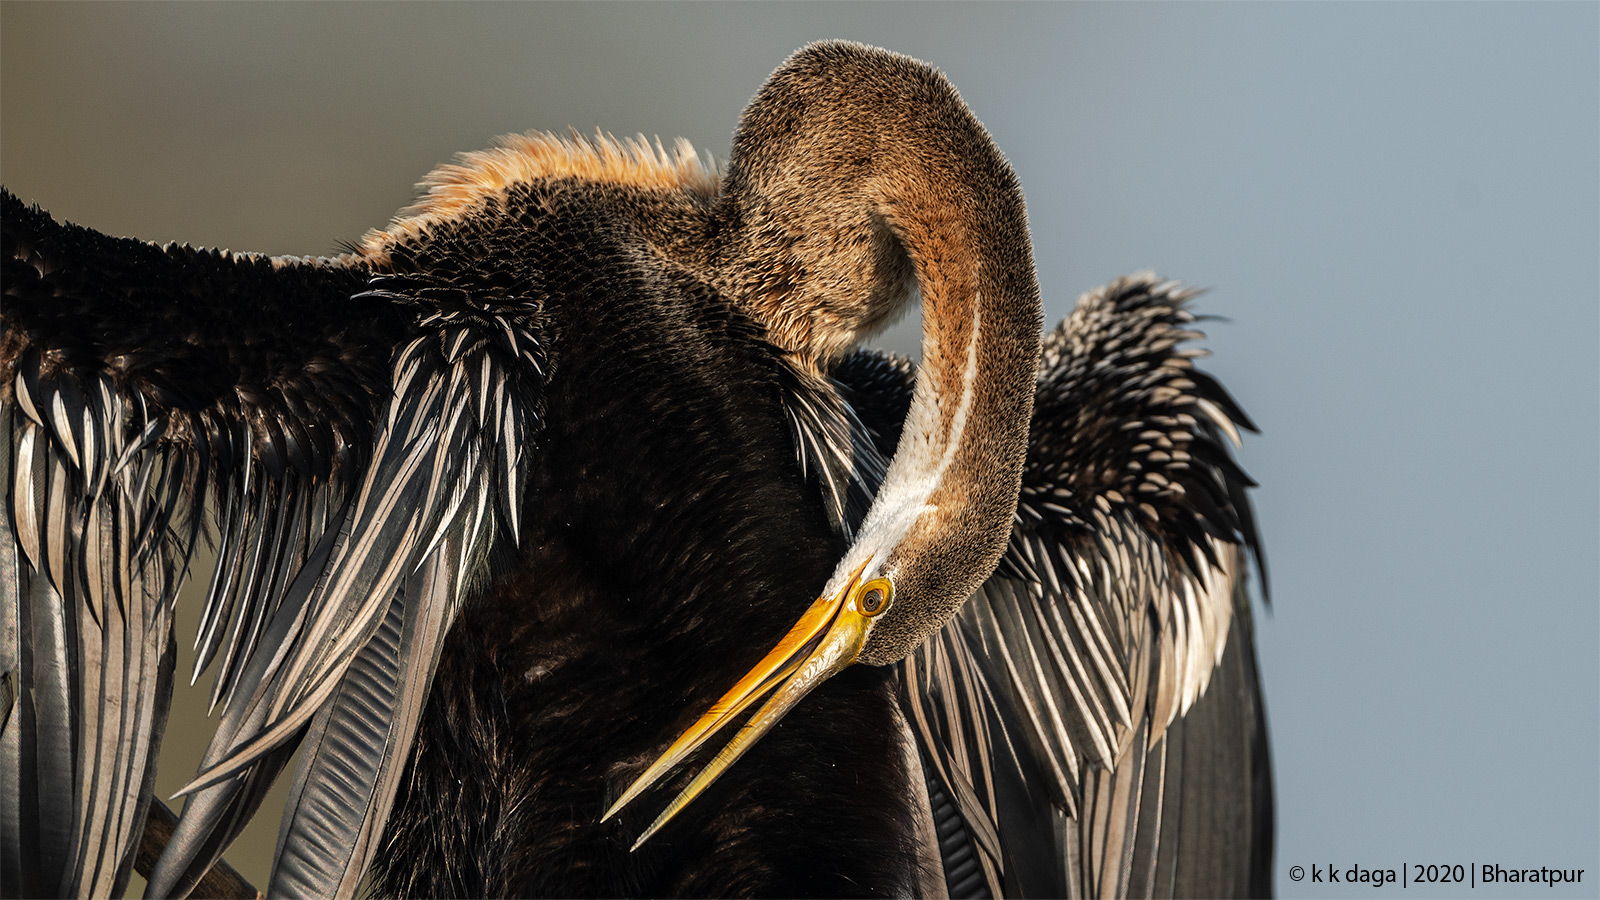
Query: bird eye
{"x": 875, "y": 597}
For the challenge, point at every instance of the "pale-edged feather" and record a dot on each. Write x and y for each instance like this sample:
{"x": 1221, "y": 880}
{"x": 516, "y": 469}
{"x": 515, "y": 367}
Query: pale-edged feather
{"x": 91, "y": 640}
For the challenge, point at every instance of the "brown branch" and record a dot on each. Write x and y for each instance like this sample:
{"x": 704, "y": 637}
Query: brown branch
{"x": 222, "y": 882}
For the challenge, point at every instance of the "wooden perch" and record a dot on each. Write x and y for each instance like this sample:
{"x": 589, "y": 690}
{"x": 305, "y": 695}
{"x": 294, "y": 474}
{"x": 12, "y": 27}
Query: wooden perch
{"x": 222, "y": 882}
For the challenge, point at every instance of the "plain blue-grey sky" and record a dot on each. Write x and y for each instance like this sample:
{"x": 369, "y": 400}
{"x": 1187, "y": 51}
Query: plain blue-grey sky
{"x": 1396, "y": 206}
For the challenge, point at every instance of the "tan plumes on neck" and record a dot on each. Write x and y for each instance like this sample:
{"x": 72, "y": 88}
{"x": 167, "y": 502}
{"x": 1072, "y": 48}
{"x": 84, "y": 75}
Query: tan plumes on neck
{"x": 453, "y": 190}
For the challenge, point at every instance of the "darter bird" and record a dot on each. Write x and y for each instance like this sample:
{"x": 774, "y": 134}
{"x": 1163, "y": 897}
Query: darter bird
{"x": 522, "y": 501}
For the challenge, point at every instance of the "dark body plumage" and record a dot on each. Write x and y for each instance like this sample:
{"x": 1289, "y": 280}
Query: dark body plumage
{"x": 658, "y": 546}
{"x": 574, "y": 441}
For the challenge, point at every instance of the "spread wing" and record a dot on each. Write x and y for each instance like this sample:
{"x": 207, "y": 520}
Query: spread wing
{"x": 1090, "y": 723}
{"x": 359, "y": 438}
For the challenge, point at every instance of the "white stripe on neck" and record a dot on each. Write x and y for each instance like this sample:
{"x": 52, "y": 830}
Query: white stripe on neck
{"x": 919, "y": 465}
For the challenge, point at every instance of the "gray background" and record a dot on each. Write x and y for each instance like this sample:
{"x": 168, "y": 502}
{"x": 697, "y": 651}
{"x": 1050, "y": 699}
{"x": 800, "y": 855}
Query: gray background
{"x": 1396, "y": 206}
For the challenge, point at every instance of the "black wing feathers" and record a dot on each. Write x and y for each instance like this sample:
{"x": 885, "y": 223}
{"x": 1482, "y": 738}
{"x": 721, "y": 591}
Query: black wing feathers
{"x": 141, "y": 383}
{"x": 1043, "y": 710}
{"x": 130, "y": 393}
{"x": 478, "y": 373}
{"x": 359, "y": 633}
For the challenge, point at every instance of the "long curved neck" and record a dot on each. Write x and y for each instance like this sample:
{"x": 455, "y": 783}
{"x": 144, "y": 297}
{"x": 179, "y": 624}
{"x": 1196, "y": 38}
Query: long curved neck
{"x": 857, "y": 173}
{"x": 944, "y": 513}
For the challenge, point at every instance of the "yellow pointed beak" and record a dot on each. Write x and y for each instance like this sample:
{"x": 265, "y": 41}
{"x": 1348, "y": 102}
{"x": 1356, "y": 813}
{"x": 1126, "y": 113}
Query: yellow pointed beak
{"x": 827, "y": 639}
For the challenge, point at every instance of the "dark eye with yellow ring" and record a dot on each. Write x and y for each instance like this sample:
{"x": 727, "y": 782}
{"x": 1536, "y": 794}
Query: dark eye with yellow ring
{"x": 875, "y": 597}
